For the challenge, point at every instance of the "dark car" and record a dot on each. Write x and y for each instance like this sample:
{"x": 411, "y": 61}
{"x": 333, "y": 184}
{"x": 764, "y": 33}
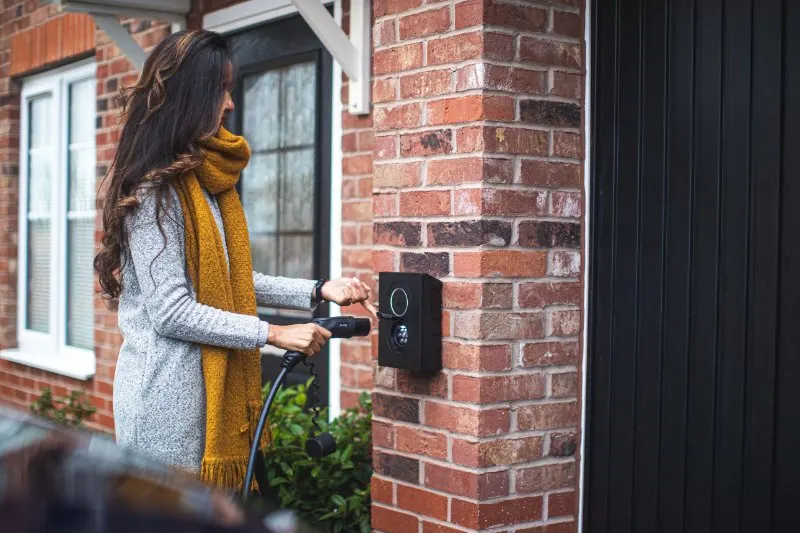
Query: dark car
{"x": 54, "y": 479}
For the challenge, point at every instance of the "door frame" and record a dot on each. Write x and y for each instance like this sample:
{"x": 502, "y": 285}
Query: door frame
{"x": 588, "y": 151}
{"x": 255, "y": 13}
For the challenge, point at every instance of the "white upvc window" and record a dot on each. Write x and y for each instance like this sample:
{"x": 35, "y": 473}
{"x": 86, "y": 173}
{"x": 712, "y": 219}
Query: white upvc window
{"x": 57, "y": 222}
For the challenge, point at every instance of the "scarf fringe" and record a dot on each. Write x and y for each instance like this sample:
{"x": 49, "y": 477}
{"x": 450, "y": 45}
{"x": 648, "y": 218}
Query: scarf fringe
{"x": 226, "y": 473}
{"x": 229, "y": 473}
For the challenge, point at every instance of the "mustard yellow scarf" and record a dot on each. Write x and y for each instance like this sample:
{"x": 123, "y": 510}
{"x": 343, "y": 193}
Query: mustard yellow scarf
{"x": 232, "y": 377}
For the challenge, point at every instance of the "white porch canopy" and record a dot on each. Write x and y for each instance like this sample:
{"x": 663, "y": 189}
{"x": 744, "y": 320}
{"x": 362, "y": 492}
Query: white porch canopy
{"x": 352, "y": 53}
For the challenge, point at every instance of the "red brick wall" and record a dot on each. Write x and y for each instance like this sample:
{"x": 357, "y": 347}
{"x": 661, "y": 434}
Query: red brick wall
{"x": 13, "y": 17}
{"x": 478, "y": 181}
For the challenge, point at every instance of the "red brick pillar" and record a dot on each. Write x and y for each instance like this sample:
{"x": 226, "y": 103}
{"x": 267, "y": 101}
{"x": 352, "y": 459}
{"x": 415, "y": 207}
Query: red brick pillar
{"x": 478, "y": 181}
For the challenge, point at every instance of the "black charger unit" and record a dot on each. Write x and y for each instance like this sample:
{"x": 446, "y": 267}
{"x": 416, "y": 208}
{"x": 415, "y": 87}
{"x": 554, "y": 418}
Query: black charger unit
{"x": 410, "y": 330}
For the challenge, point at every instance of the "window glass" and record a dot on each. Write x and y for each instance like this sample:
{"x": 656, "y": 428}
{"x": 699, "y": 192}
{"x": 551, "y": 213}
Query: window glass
{"x": 39, "y": 218}
{"x": 278, "y": 187}
{"x": 81, "y": 215}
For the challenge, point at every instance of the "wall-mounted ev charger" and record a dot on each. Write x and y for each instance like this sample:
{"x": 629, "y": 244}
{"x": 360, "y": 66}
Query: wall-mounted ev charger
{"x": 410, "y": 331}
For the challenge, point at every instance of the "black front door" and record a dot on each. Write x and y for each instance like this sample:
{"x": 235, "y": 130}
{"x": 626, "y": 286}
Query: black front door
{"x": 694, "y": 312}
{"x": 283, "y": 108}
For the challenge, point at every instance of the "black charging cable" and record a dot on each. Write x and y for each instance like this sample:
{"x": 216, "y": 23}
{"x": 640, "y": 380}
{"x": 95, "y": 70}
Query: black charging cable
{"x": 319, "y": 443}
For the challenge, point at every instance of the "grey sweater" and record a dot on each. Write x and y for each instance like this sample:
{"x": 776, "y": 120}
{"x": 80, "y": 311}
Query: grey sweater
{"x": 159, "y": 393}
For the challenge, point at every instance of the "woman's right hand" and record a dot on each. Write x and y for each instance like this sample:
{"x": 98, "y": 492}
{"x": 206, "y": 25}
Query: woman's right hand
{"x": 304, "y": 338}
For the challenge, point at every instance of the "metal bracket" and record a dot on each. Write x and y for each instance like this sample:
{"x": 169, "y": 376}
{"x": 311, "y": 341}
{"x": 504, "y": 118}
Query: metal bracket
{"x": 352, "y": 53}
{"x": 117, "y": 32}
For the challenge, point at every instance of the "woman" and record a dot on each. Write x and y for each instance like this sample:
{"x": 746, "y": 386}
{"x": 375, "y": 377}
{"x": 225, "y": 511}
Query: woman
{"x": 176, "y": 254}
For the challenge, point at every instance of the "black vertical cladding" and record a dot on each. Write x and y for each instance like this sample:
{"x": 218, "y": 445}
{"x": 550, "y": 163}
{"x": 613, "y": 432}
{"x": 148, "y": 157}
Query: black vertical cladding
{"x": 605, "y": 65}
{"x": 787, "y": 440}
{"x": 626, "y": 251}
{"x": 765, "y": 177}
{"x": 694, "y": 347}
{"x": 734, "y": 244}
{"x": 702, "y": 364}
{"x": 678, "y": 261}
{"x": 650, "y": 304}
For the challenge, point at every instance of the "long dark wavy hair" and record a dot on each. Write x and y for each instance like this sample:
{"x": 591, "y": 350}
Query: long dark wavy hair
{"x": 177, "y": 102}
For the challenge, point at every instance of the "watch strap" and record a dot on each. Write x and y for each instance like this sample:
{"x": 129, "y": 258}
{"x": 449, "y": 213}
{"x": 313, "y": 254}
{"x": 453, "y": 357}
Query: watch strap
{"x": 318, "y": 299}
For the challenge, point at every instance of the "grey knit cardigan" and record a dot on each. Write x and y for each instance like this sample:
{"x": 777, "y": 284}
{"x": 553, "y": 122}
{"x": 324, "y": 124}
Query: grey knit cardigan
{"x": 159, "y": 393}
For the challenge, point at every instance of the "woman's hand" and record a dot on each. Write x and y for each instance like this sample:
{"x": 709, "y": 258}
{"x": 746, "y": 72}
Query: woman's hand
{"x": 349, "y": 291}
{"x": 304, "y": 338}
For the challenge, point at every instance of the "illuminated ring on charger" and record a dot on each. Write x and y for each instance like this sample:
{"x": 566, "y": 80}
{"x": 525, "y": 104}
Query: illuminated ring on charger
{"x": 395, "y": 312}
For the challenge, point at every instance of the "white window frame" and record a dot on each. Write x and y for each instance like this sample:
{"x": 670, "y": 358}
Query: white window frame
{"x": 49, "y": 351}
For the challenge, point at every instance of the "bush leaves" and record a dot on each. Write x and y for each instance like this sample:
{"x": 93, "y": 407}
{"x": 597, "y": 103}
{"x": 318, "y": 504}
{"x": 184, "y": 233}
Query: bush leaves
{"x": 332, "y": 492}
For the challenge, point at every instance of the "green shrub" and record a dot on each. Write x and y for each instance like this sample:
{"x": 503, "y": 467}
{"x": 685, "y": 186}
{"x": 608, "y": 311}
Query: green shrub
{"x": 332, "y": 492}
{"x": 69, "y": 411}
